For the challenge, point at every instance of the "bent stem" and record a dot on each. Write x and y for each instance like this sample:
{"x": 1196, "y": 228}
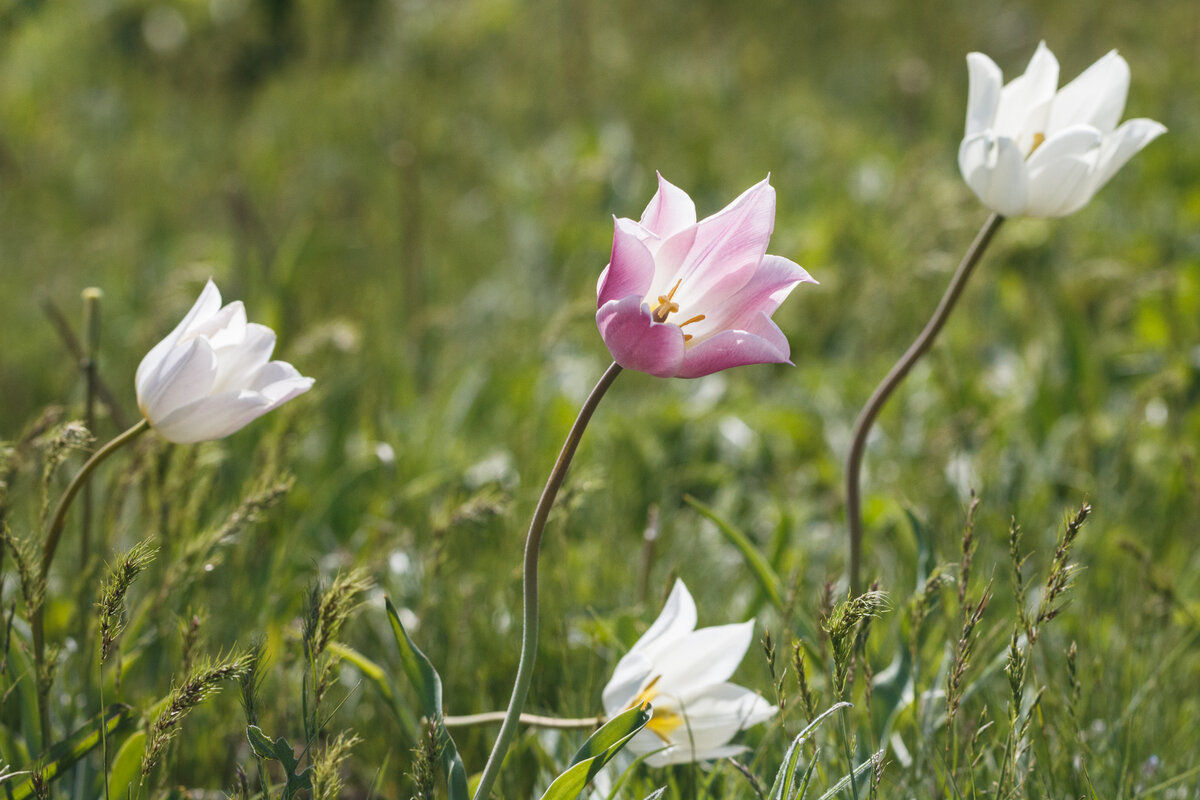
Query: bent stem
{"x": 533, "y": 720}
{"x": 866, "y": 417}
{"x": 533, "y": 545}
{"x": 53, "y": 534}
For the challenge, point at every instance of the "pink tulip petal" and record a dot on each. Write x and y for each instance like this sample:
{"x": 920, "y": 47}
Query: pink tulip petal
{"x": 770, "y": 285}
{"x": 669, "y": 211}
{"x": 636, "y": 341}
{"x": 719, "y": 254}
{"x": 731, "y": 349}
{"x": 630, "y": 269}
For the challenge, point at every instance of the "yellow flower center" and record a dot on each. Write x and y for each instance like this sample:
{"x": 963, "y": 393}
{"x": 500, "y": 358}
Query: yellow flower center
{"x": 663, "y": 722}
{"x": 667, "y": 306}
{"x": 1038, "y": 138}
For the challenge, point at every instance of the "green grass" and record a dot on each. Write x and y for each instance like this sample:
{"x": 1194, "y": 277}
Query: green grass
{"x": 417, "y": 197}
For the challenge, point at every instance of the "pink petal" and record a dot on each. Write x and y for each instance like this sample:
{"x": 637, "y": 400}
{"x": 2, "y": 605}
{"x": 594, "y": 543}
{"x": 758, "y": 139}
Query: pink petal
{"x": 719, "y": 254}
{"x": 669, "y": 211}
{"x": 733, "y": 349}
{"x": 636, "y": 341}
{"x": 770, "y": 285}
{"x": 630, "y": 269}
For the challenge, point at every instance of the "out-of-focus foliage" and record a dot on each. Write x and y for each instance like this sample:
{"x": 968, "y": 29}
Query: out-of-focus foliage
{"x": 417, "y": 197}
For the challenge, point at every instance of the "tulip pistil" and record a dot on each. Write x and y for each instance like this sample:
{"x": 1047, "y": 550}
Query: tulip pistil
{"x": 666, "y": 305}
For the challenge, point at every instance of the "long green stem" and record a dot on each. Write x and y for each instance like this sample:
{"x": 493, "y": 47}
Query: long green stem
{"x": 866, "y": 417}
{"x": 533, "y": 546}
{"x": 53, "y": 534}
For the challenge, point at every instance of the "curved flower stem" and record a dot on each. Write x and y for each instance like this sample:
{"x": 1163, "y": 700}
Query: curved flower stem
{"x": 53, "y": 534}
{"x": 866, "y": 417}
{"x": 533, "y": 546}
{"x": 562, "y": 723}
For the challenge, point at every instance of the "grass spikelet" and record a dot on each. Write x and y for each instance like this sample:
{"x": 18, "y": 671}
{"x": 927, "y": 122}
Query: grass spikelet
{"x": 963, "y": 650}
{"x": 968, "y": 551}
{"x": 121, "y": 575}
{"x": 55, "y": 446}
{"x": 27, "y": 558}
{"x": 1062, "y": 572}
{"x": 1017, "y": 562}
{"x": 806, "y": 694}
{"x": 202, "y": 681}
{"x": 426, "y": 757}
{"x": 842, "y": 627}
{"x": 327, "y": 766}
{"x": 328, "y": 609}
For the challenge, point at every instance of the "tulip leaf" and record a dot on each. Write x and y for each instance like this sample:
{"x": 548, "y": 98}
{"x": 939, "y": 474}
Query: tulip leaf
{"x": 785, "y": 779}
{"x": 768, "y": 581}
{"x": 62, "y": 755}
{"x": 428, "y": 684}
{"x": 597, "y": 751}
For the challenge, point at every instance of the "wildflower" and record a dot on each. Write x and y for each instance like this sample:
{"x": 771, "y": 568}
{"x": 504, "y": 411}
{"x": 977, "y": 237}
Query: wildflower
{"x": 1031, "y": 150}
{"x": 683, "y": 673}
{"x": 212, "y": 375}
{"x": 681, "y": 298}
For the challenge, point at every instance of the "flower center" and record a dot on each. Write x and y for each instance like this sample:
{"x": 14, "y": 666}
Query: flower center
{"x": 667, "y": 306}
{"x": 1038, "y": 138}
{"x": 663, "y": 722}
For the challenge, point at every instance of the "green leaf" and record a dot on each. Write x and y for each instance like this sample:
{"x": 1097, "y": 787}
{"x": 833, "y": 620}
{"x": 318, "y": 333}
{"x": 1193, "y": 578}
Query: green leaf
{"x": 785, "y": 779}
{"x": 63, "y": 755}
{"x": 597, "y": 751}
{"x": 428, "y": 684}
{"x": 279, "y": 750}
{"x": 766, "y": 577}
{"x": 126, "y": 766}
{"x": 657, "y": 794}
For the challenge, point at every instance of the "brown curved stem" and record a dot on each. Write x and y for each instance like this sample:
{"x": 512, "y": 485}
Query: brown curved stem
{"x": 866, "y": 417}
{"x": 533, "y": 720}
{"x": 533, "y": 546}
{"x": 53, "y": 534}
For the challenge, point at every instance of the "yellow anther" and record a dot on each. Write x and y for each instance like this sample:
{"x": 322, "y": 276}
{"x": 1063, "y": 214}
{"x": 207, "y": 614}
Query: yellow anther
{"x": 666, "y": 306}
{"x": 1038, "y": 138}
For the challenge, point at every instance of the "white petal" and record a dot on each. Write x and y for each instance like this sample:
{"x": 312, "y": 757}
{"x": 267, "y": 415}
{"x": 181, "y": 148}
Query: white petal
{"x": 677, "y": 619}
{"x": 206, "y": 305}
{"x": 985, "y": 81}
{"x": 239, "y": 365}
{"x": 1061, "y": 172}
{"x": 994, "y": 168}
{"x": 185, "y": 375}
{"x": 683, "y": 755}
{"x": 226, "y": 328}
{"x": 632, "y": 673}
{"x": 701, "y": 658}
{"x": 1122, "y": 145}
{"x": 1096, "y": 97}
{"x": 213, "y": 417}
{"x": 1025, "y": 101}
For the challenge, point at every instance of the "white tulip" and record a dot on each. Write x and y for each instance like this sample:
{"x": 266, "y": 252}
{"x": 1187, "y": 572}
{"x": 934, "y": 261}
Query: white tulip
{"x": 213, "y": 374}
{"x": 683, "y": 673}
{"x": 1032, "y": 150}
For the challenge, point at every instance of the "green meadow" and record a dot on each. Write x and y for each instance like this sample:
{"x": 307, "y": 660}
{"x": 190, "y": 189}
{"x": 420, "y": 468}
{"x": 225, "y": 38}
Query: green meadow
{"x": 418, "y": 197}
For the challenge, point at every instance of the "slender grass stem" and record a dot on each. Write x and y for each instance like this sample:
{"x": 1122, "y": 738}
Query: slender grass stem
{"x": 533, "y": 546}
{"x": 53, "y": 534}
{"x": 866, "y": 417}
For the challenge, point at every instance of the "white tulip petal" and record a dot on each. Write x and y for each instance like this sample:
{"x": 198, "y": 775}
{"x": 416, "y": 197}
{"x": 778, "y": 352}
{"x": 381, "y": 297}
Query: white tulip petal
{"x": 213, "y": 417}
{"x": 680, "y": 754}
{"x": 280, "y": 391}
{"x": 207, "y": 304}
{"x": 1096, "y": 97}
{"x": 225, "y": 329}
{"x": 1124, "y": 143}
{"x": 632, "y": 673}
{"x": 241, "y": 365}
{"x": 678, "y": 619}
{"x": 1025, "y": 101}
{"x": 187, "y": 372}
{"x": 985, "y": 80}
{"x": 706, "y": 656}
{"x": 994, "y": 168}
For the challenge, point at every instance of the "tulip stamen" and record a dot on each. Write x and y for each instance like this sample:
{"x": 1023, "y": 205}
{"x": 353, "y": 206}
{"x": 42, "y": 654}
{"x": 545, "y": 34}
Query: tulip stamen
{"x": 663, "y": 722}
{"x": 1038, "y": 138}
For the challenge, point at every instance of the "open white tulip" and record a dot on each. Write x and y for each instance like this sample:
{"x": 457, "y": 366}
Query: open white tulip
{"x": 213, "y": 374}
{"x": 1033, "y": 150}
{"x": 683, "y": 673}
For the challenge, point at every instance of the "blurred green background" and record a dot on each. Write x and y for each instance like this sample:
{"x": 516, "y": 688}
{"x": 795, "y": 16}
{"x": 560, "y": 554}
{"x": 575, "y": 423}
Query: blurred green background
{"x": 418, "y": 195}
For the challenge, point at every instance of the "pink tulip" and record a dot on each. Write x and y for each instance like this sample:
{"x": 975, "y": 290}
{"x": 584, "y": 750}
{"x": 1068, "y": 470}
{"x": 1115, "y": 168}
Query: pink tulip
{"x": 683, "y": 299}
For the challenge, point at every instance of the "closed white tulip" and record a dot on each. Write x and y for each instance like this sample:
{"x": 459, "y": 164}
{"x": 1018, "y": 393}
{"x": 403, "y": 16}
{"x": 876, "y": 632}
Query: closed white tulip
{"x": 213, "y": 374}
{"x": 683, "y": 673}
{"x": 1034, "y": 150}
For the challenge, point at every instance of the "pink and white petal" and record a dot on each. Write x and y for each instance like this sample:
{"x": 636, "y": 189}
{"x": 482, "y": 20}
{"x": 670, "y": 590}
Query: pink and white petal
{"x": 703, "y": 657}
{"x": 994, "y": 168}
{"x": 636, "y": 341}
{"x": 1026, "y": 99}
{"x": 721, "y": 252}
{"x": 770, "y": 285}
{"x": 212, "y": 417}
{"x": 630, "y": 268}
{"x": 1123, "y": 144}
{"x": 669, "y": 211}
{"x": 1096, "y": 97}
{"x": 984, "y": 82}
{"x": 206, "y": 305}
{"x": 238, "y": 366}
{"x": 730, "y": 349}
{"x": 185, "y": 375}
